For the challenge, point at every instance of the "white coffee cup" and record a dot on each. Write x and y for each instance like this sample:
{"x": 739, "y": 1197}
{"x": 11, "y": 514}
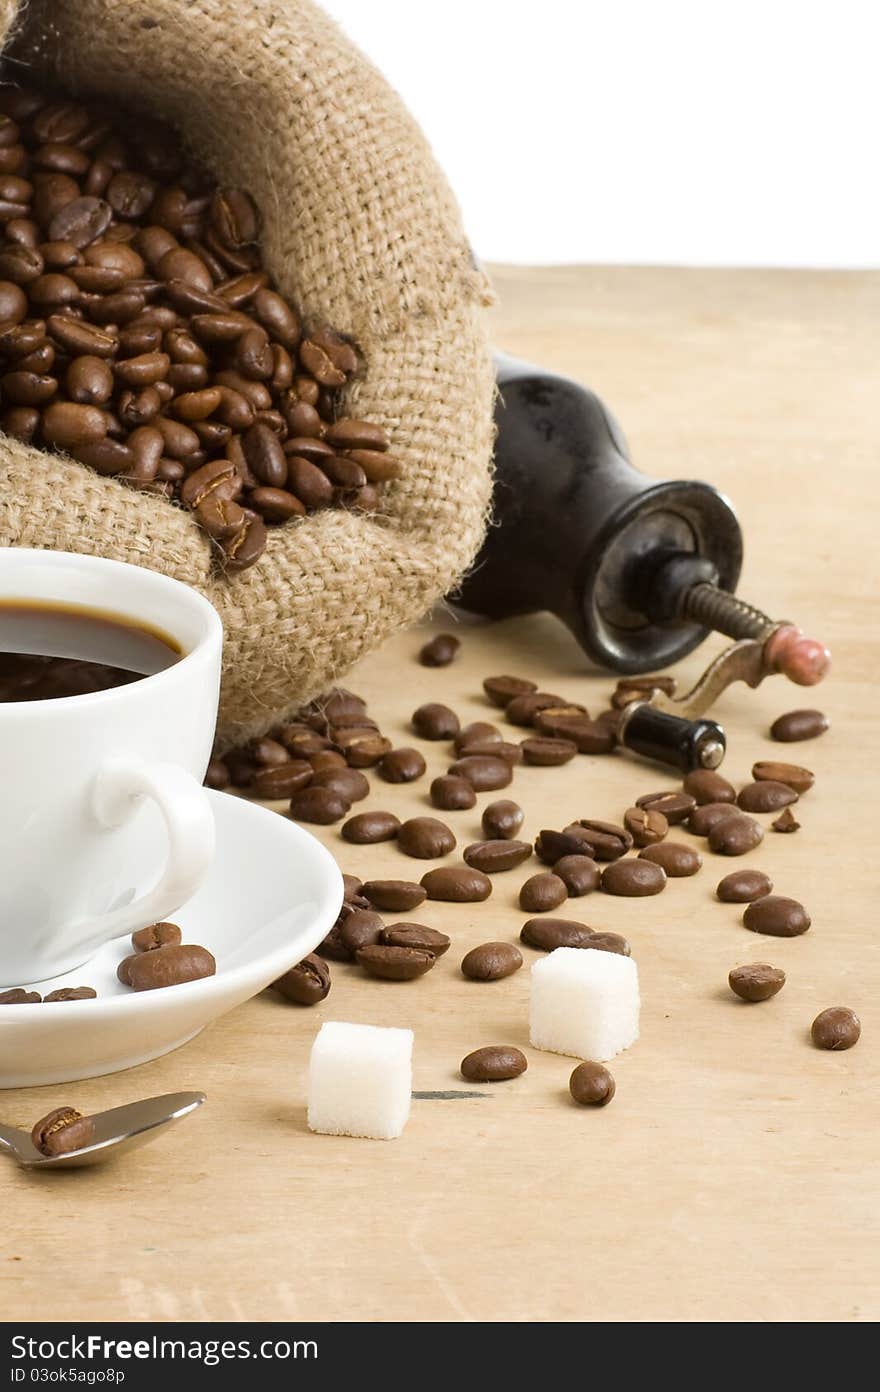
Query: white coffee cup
{"x": 81, "y": 776}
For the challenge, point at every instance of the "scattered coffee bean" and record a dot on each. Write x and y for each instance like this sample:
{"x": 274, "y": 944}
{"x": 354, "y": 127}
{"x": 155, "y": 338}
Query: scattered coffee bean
{"x": 477, "y": 732}
{"x": 492, "y": 749}
{"x": 169, "y": 966}
{"x": 838, "y": 1027}
{"x": 645, "y": 826}
{"x": 457, "y": 884}
{"x": 359, "y": 929}
{"x": 492, "y": 856}
{"x": 523, "y": 709}
{"x": 347, "y": 783}
{"x": 744, "y": 886}
{"x": 588, "y": 736}
{"x": 677, "y": 859}
{"x": 546, "y": 934}
{"x": 418, "y": 936}
{"x": 542, "y": 892}
{"x": 735, "y": 835}
{"x": 63, "y": 1131}
{"x": 491, "y": 961}
{"x": 71, "y": 993}
{"x": 602, "y": 840}
{"x": 217, "y": 775}
{"x": 307, "y": 983}
{"x": 502, "y": 690}
{"x": 394, "y": 896}
{"x": 401, "y": 766}
{"x": 425, "y": 838}
{"x": 493, "y": 1064}
{"x": 368, "y": 828}
{"x": 609, "y": 942}
{"x": 579, "y": 873}
{"x": 633, "y": 878}
{"x": 484, "y": 773}
{"x": 19, "y": 996}
{"x": 756, "y": 982}
{"x": 704, "y": 817}
{"x": 450, "y": 793}
{"x": 793, "y": 775}
{"x": 777, "y": 917}
{"x": 786, "y": 822}
{"x": 435, "y": 722}
{"x": 640, "y": 689}
{"x": 705, "y": 785}
{"x": 156, "y": 935}
{"x": 501, "y": 820}
{"x": 439, "y": 651}
{"x": 352, "y": 885}
{"x": 799, "y": 725}
{"x": 591, "y": 1085}
{"x": 546, "y": 752}
{"x": 765, "y": 796}
{"x": 282, "y": 780}
{"x": 395, "y": 963}
{"x": 320, "y": 806}
{"x": 551, "y": 846}
{"x": 676, "y": 807}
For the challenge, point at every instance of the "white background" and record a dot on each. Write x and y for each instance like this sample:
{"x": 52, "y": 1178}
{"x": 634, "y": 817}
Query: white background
{"x": 727, "y": 132}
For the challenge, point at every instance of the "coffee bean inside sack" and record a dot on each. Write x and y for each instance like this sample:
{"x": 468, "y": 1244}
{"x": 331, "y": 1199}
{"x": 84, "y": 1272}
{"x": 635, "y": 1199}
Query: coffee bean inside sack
{"x": 141, "y": 333}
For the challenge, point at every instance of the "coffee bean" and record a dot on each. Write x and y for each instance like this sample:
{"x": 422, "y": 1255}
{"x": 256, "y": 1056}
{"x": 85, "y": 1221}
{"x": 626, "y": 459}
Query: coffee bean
{"x": 502, "y": 690}
{"x": 786, "y": 822}
{"x": 451, "y": 793}
{"x": 71, "y": 993}
{"x": 705, "y": 785}
{"x": 735, "y": 835}
{"x": 640, "y": 688}
{"x": 644, "y": 826}
{"x": 359, "y": 929}
{"x": 169, "y": 966}
{"x": 776, "y": 916}
{"x": 81, "y": 221}
{"x": 368, "y": 828}
{"x": 703, "y": 818}
{"x": 799, "y": 725}
{"x": 217, "y": 775}
{"x": 743, "y": 886}
{"x": 609, "y": 942}
{"x": 67, "y": 424}
{"x": 588, "y": 736}
{"x": 523, "y": 709}
{"x": 439, "y": 651}
{"x": 496, "y": 855}
{"x": 364, "y": 749}
{"x": 633, "y": 878}
{"x": 416, "y": 935}
{"x": 155, "y": 936}
{"x": 547, "y": 934}
{"x": 282, "y": 780}
{"x": 838, "y": 1027}
{"x": 551, "y": 846}
{"x": 542, "y": 892}
{"x": 352, "y": 885}
{"x": 591, "y": 1085}
{"x": 674, "y": 857}
{"x": 491, "y": 961}
{"x": 477, "y": 732}
{"x": 395, "y": 963}
{"x": 484, "y": 773}
{"x": 401, "y": 766}
{"x": 307, "y": 983}
{"x": 347, "y": 783}
{"x": 63, "y": 1131}
{"x": 457, "y": 884}
{"x": 494, "y": 1063}
{"x": 756, "y": 982}
{"x": 675, "y": 807}
{"x": 425, "y": 838}
{"x": 602, "y": 840}
{"x": 394, "y": 896}
{"x": 579, "y": 873}
{"x": 435, "y": 722}
{"x": 492, "y": 749}
{"x": 319, "y": 806}
{"x": 547, "y": 752}
{"x": 501, "y": 820}
{"x": 792, "y": 775}
{"x": 19, "y": 996}
{"x": 765, "y": 796}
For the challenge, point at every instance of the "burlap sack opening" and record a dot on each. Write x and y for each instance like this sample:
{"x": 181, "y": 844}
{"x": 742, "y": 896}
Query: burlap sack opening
{"x": 362, "y": 232}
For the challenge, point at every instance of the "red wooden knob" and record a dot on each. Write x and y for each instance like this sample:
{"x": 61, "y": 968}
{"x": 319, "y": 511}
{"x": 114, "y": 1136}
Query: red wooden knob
{"x": 803, "y": 660}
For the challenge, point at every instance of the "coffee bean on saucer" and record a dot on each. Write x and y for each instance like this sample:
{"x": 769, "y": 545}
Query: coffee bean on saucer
{"x": 425, "y": 838}
{"x": 435, "y": 722}
{"x": 320, "y": 806}
{"x": 542, "y": 892}
{"x": 799, "y": 725}
{"x": 368, "y": 828}
{"x": 492, "y": 856}
{"x": 359, "y": 929}
{"x": 451, "y": 793}
{"x": 395, "y": 963}
{"x": 62, "y": 1131}
{"x": 169, "y": 966}
{"x": 484, "y": 773}
{"x": 307, "y": 983}
{"x": 546, "y": 752}
{"x": 735, "y": 835}
{"x": 674, "y": 857}
{"x": 491, "y": 961}
{"x": 704, "y": 817}
{"x": 591, "y": 1085}
{"x": 706, "y": 785}
{"x": 502, "y": 690}
{"x": 17, "y": 995}
{"x": 645, "y": 826}
{"x": 786, "y": 822}
{"x": 777, "y": 916}
{"x": 457, "y": 884}
{"x": 439, "y": 651}
{"x": 793, "y": 775}
{"x": 609, "y": 942}
{"x": 756, "y": 982}
{"x": 71, "y": 993}
{"x": 477, "y": 732}
{"x": 676, "y": 807}
{"x": 416, "y": 935}
{"x": 347, "y": 783}
{"x": 744, "y": 886}
{"x": 838, "y": 1027}
{"x": 494, "y": 1063}
{"x": 283, "y": 780}
{"x": 156, "y": 935}
{"x": 579, "y": 873}
{"x": 394, "y": 896}
{"x": 501, "y": 820}
{"x": 401, "y": 766}
{"x": 546, "y": 934}
{"x": 523, "y": 709}
{"x": 765, "y": 796}
{"x": 633, "y": 878}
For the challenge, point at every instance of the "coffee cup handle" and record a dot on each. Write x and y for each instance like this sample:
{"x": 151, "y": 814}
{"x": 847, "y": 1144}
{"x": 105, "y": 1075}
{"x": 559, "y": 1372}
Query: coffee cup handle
{"x": 119, "y": 788}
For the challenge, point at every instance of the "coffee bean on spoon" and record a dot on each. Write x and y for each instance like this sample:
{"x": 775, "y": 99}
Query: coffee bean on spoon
{"x": 777, "y": 916}
{"x": 676, "y": 858}
{"x": 744, "y": 886}
{"x": 496, "y": 855}
{"x": 62, "y": 1131}
{"x": 799, "y": 725}
{"x": 542, "y": 892}
{"x": 765, "y": 796}
{"x": 502, "y": 819}
{"x": 394, "y": 896}
{"x": 793, "y": 775}
{"x": 451, "y": 793}
{"x": 756, "y": 982}
{"x": 457, "y": 884}
{"x": 369, "y": 828}
{"x": 491, "y": 961}
{"x": 425, "y": 838}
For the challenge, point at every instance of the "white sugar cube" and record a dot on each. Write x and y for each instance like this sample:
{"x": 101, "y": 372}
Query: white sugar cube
{"x": 360, "y": 1080}
{"x": 584, "y": 1002}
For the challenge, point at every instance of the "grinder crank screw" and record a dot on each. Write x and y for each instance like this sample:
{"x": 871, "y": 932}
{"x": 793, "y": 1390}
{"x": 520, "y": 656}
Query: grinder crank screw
{"x": 786, "y": 649}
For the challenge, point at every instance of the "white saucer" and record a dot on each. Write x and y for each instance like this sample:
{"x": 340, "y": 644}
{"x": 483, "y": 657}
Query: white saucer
{"x": 272, "y": 895}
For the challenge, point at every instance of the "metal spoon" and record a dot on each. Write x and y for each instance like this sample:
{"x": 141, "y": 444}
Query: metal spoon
{"x": 119, "y": 1129}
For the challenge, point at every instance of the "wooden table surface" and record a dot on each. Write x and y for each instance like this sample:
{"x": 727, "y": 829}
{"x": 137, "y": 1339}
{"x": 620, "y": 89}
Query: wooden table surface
{"x": 735, "y": 1175}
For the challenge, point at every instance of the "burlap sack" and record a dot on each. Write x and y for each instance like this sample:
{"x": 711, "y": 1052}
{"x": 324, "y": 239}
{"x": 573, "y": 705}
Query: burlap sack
{"x": 360, "y": 231}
